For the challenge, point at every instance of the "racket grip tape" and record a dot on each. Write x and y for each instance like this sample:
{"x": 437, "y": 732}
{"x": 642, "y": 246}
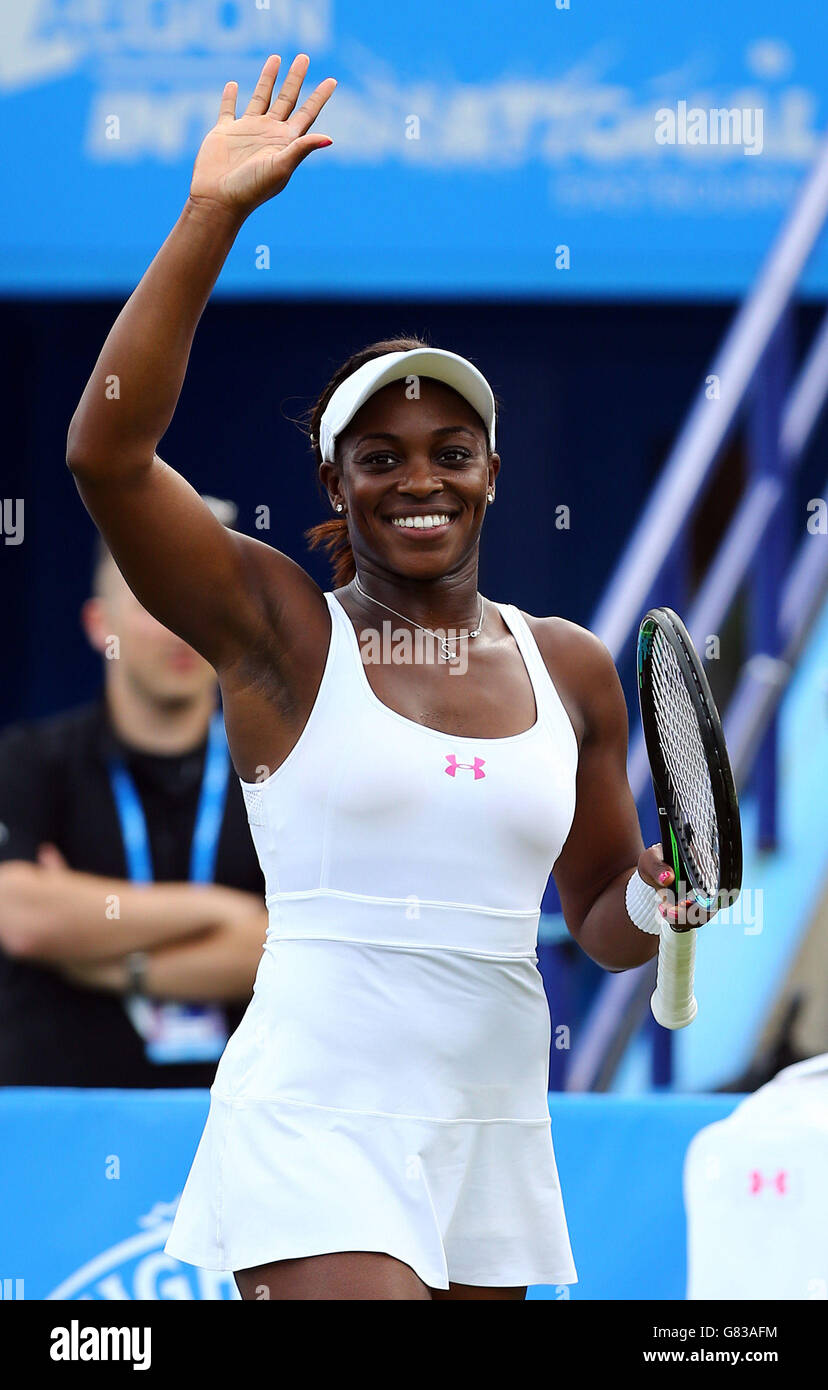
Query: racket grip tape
{"x": 673, "y": 1002}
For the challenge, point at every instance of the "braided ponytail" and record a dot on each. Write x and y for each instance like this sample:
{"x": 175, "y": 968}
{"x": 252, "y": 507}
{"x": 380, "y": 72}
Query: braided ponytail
{"x": 332, "y": 537}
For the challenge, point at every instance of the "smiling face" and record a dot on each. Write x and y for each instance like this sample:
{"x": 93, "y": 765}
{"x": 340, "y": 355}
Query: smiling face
{"x": 413, "y": 476}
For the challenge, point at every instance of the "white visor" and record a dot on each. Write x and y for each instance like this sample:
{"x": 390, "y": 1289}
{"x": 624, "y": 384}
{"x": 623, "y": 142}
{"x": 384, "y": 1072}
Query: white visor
{"x": 456, "y": 372}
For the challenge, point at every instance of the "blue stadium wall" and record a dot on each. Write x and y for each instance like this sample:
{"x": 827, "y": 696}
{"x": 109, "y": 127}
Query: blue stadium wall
{"x": 591, "y": 397}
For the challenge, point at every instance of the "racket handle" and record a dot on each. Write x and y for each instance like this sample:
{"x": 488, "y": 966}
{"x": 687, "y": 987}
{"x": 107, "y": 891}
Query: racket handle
{"x": 673, "y": 1002}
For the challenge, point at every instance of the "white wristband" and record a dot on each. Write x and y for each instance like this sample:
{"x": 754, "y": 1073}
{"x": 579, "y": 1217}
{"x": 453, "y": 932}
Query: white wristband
{"x": 642, "y": 902}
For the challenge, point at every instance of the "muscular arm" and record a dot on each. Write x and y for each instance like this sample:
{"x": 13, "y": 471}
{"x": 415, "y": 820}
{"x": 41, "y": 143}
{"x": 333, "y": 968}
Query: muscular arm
{"x": 219, "y": 965}
{"x": 604, "y": 845}
{"x": 203, "y": 582}
{"x": 59, "y": 915}
{"x": 184, "y": 566}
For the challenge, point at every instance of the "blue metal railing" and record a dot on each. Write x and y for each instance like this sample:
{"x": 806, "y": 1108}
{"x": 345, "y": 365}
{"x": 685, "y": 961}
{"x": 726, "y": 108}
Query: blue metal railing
{"x": 711, "y": 418}
{"x": 753, "y": 368}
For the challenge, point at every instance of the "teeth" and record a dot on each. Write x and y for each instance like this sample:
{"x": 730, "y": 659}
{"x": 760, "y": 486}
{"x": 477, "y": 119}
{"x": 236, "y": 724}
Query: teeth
{"x": 421, "y": 522}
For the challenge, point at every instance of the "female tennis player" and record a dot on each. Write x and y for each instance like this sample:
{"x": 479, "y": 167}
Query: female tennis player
{"x": 378, "y": 1126}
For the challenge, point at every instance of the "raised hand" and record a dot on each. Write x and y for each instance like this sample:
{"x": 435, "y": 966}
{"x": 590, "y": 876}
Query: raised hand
{"x": 246, "y": 160}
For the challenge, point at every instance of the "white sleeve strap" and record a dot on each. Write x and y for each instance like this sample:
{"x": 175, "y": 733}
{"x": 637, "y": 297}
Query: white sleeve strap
{"x": 642, "y": 905}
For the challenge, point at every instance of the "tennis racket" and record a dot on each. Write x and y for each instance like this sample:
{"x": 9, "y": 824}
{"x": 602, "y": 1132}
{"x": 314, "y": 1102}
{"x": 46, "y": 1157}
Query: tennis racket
{"x": 698, "y": 810}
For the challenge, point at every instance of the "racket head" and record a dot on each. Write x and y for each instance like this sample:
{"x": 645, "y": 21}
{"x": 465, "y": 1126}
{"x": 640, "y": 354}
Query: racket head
{"x": 695, "y": 792}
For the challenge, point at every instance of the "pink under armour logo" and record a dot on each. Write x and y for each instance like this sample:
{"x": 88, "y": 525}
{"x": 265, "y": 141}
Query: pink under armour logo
{"x": 476, "y": 767}
{"x": 779, "y": 1182}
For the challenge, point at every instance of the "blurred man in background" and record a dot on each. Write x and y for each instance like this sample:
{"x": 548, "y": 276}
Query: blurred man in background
{"x": 131, "y": 902}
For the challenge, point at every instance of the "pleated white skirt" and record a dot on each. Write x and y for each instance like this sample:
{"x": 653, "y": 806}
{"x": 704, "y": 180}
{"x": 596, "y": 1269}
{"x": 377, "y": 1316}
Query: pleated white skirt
{"x": 386, "y": 1099}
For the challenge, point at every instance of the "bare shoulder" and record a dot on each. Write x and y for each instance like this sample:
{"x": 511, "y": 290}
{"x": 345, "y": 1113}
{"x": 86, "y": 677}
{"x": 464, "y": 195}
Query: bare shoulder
{"x": 284, "y": 586}
{"x": 294, "y": 623}
{"x": 582, "y": 669}
{"x": 559, "y": 639}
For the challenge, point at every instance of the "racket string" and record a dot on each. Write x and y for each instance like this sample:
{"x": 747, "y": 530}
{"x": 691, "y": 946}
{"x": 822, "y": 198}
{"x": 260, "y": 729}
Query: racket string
{"x": 694, "y": 808}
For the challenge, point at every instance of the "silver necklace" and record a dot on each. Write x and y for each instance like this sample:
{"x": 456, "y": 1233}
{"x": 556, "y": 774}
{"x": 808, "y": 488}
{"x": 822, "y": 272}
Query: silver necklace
{"x": 448, "y": 653}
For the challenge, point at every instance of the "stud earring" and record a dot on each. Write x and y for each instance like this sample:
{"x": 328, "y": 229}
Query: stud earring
{"x": 338, "y": 507}
{"x": 490, "y": 496}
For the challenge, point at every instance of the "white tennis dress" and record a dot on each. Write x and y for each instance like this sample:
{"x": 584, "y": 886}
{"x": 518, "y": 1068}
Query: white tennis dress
{"x": 386, "y": 1089}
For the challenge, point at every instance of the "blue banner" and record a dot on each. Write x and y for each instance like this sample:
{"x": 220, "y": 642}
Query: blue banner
{"x": 92, "y": 1223}
{"x": 543, "y": 148}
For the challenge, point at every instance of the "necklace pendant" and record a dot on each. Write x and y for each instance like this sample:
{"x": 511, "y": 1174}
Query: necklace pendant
{"x": 448, "y": 654}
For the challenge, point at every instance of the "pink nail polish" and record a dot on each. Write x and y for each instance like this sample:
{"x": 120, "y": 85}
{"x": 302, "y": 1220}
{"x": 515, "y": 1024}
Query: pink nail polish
{"x": 665, "y": 876}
